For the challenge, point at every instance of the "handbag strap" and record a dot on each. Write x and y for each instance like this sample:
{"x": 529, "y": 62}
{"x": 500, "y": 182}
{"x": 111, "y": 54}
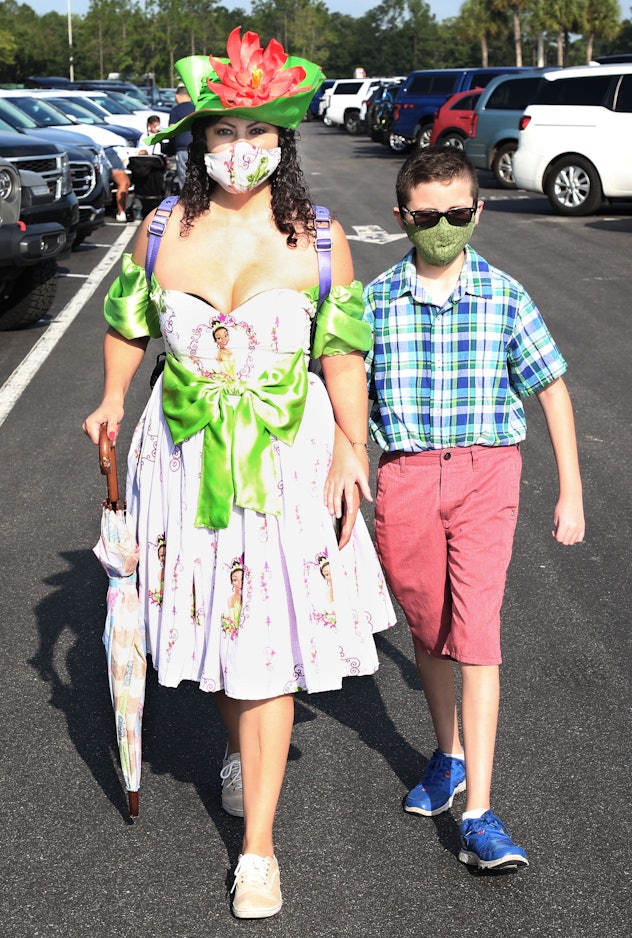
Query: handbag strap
{"x": 155, "y": 232}
{"x": 322, "y": 223}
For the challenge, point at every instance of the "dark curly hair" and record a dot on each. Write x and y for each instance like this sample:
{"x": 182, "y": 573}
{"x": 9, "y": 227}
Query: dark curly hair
{"x": 291, "y": 204}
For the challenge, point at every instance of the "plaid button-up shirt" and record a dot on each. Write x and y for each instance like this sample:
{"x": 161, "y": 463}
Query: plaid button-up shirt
{"x": 453, "y": 375}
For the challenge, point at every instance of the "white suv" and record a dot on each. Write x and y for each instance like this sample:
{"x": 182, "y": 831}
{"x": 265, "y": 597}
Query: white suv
{"x": 576, "y": 138}
{"x": 341, "y": 104}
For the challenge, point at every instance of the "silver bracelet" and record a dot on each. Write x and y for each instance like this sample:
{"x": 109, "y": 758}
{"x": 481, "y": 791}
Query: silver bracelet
{"x": 365, "y": 445}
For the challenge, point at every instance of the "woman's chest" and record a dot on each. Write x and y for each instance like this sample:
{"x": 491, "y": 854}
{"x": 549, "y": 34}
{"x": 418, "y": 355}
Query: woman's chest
{"x": 227, "y": 267}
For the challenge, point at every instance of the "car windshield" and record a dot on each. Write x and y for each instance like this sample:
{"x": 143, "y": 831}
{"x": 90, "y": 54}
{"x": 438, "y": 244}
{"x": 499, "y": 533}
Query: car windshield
{"x": 90, "y": 105}
{"x": 108, "y": 103}
{"x": 44, "y": 113}
{"x": 132, "y": 104}
{"x": 141, "y": 101}
{"x": 6, "y": 127}
{"x": 72, "y": 107}
{"x": 168, "y": 96}
{"x": 14, "y": 117}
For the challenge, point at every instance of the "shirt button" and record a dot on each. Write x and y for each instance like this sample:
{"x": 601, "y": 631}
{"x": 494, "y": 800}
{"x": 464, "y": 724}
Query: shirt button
{"x": 447, "y": 455}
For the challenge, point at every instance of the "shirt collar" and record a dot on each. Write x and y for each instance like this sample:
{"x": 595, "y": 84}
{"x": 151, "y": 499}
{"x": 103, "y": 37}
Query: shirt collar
{"x": 474, "y": 280}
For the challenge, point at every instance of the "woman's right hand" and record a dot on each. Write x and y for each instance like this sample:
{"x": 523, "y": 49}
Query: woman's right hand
{"x": 108, "y": 414}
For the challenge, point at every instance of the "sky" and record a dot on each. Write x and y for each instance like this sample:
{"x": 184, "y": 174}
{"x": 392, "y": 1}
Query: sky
{"x": 442, "y": 9}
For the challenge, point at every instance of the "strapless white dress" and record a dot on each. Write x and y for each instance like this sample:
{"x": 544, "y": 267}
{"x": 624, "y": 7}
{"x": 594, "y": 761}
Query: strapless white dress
{"x": 268, "y": 605}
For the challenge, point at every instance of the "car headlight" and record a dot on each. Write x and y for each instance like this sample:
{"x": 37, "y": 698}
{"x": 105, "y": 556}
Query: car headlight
{"x": 66, "y": 181}
{"x": 7, "y": 184}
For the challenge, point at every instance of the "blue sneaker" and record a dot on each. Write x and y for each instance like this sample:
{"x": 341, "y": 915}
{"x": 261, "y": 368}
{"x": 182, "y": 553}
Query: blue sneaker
{"x": 485, "y": 842}
{"x": 443, "y": 778}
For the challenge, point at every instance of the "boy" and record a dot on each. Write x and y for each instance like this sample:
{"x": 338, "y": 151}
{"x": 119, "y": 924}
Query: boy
{"x": 456, "y": 342}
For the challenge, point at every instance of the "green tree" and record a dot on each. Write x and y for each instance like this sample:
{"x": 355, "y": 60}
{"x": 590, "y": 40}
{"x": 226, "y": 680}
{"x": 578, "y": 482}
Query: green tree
{"x": 515, "y": 7}
{"x": 564, "y": 17}
{"x": 601, "y": 22}
{"x": 478, "y": 22}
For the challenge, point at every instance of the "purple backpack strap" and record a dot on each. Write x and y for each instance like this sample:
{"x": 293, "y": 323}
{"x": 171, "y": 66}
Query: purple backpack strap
{"x": 155, "y": 232}
{"x": 323, "y": 249}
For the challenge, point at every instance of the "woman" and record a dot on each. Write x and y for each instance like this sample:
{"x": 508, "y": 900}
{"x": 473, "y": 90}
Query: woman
{"x": 248, "y": 456}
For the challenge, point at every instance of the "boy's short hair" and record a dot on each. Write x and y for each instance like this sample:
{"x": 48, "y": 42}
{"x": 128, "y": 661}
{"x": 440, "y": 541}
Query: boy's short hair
{"x": 434, "y": 164}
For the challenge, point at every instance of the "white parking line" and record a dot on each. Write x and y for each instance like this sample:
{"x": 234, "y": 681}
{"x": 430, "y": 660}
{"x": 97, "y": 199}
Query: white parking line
{"x": 19, "y": 380}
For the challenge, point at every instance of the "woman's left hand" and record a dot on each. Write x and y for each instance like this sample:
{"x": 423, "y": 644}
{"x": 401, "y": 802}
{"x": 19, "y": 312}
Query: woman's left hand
{"x": 347, "y": 482}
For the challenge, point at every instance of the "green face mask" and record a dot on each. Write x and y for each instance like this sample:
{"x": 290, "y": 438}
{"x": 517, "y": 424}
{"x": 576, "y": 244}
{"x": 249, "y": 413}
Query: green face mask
{"x": 440, "y": 245}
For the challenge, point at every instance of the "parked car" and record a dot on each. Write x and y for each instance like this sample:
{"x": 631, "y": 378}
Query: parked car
{"x": 313, "y": 111}
{"x": 45, "y": 114}
{"x": 89, "y": 169}
{"x": 78, "y": 106}
{"x": 423, "y": 93}
{"x": 494, "y": 131}
{"x": 96, "y": 84}
{"x": 452, "y": 123}
{"x": 342, "y": 102}
{"x": 123, "y": 109}
{"x": 28, "y": 248}
{"x": 111, "y": 110}
{"x": 576, "y": 138}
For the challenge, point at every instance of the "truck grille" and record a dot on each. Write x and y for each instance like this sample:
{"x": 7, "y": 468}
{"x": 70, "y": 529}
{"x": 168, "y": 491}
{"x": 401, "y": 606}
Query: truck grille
{"x": 84, "y": 178}
{"x": 47, "y": 166}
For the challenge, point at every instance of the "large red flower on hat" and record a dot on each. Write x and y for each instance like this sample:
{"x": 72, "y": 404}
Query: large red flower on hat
{"x": 254, "y": 75}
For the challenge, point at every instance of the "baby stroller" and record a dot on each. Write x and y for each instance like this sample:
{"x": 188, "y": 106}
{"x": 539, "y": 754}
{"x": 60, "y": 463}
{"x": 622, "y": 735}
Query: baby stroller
{"x": 149, "y": 180}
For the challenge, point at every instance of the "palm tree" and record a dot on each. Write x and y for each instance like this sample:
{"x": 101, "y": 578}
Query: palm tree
{"x": 565, "y": 17}
{"x": 602, "y": 22}
{"x": 516, "y": 7}
{"x": 477, "y": 23}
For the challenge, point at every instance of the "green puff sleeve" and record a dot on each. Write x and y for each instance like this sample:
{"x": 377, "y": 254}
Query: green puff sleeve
{"x": 128, "y": 307}
{"x": 340, "y": 328}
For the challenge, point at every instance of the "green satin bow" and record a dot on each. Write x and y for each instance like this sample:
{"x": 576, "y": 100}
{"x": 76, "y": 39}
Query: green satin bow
{"x": 237, "y": 458}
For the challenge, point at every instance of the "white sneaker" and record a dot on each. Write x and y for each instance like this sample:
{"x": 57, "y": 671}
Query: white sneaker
{"x": 257, "y": 887}
{"x": 121, "y": 216}
{"x": 232, "y": 790}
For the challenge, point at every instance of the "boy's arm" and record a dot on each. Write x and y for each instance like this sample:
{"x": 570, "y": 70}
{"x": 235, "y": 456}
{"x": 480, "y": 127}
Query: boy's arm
{"x": 568, "y": 519}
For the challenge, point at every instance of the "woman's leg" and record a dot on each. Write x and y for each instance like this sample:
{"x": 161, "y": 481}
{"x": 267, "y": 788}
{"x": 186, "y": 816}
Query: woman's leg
{"x": 265, "y": 729}
{"x": 479, "y": 710}
{"x": 229, "y": 712}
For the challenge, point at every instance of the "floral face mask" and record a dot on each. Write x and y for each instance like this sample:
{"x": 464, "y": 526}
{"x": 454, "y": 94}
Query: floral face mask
{"x": 242, "y": 167}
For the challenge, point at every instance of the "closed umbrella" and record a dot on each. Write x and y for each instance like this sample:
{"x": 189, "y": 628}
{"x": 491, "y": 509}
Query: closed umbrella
{"x": 124, "y": 634}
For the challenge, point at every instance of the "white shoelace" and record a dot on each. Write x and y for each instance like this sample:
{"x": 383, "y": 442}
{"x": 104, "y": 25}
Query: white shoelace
{"x": 252, "y": 870}
{"x": 230, "y": 775}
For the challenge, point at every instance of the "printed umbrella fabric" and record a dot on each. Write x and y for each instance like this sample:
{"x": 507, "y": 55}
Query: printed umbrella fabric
{"x": 124, "y": 635}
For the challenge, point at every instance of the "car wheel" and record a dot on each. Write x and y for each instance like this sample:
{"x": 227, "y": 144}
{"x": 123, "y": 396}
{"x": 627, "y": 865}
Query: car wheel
{"x": 452, "y": 138}
{"x": 573, "y": 186}
{"x": 353, "y": 122}
{"x": 502, "y": 165}
{"x": 30, "y": 296}
{"x": 398, "y": 143}
{"x": 423, "y": 137}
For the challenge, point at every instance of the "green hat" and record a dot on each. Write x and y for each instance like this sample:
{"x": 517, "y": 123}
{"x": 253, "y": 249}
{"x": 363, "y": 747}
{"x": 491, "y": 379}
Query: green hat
{"x": 258, "y": 84}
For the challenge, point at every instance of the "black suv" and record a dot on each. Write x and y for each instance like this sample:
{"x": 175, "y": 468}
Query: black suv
{"x": 89, "y": 181}
{"x": 28, "y": 271}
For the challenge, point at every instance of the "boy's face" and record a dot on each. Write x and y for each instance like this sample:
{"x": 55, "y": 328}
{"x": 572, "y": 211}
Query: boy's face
{"x": 440, "y": 245}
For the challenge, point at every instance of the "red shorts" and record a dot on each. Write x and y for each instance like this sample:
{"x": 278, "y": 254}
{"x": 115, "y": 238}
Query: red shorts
{"x": 444, "y": 526}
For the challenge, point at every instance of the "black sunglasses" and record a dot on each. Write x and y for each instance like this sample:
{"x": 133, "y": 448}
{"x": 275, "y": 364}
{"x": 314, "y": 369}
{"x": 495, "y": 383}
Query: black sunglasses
{"x": 425, "y": 218}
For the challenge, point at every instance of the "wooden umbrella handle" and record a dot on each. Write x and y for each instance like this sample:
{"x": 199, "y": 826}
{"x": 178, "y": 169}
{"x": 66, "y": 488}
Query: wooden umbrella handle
{"x": 107, "y": 463}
